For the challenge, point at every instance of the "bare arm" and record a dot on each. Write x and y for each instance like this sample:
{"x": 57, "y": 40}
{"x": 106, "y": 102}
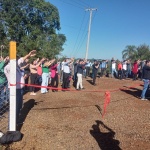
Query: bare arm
{"x": 35, "y": 66}
{"x": 31, "y": 54}
{"x": 24, "y": 66}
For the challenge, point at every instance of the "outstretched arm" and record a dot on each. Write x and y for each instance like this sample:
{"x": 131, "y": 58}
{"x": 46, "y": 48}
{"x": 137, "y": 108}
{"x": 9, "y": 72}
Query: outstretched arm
{"x": 31, "y": 54}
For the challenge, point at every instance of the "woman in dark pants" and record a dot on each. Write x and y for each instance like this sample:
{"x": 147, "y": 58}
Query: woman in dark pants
{"x": 54, "y": 77}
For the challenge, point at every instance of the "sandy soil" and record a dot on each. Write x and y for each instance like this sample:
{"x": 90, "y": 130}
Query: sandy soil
{"x": 72, "y": 120}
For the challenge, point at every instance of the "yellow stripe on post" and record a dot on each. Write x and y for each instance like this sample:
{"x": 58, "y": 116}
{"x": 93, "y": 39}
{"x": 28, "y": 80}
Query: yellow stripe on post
{"x": 12, "y": 50}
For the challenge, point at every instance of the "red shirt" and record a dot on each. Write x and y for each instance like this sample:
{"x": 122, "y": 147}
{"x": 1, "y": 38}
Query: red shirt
{"x": 135, "y": 68}
{"x": 119, "y": 66}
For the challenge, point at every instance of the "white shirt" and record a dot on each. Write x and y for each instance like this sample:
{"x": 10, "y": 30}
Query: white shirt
{"x": 62, "y": 65}
{"x": 66, "y": 68}
{"x": 124, "y": 66}
{"x": 19, "y": 75}
{"x": 113, "y": 65}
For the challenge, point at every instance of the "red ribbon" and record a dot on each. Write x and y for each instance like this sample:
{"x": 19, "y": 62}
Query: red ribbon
{"x": 12, "y": 84}
{"x": 106, "y": 102}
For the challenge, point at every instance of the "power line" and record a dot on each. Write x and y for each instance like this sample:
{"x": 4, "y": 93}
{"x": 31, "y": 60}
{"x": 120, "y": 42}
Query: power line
{"x": 80, "y": 42}
{"x": 79, "y": 3}
{"x": 85, "y": 3}
{"x": 71, "y": 4}
{"x": 79, "y": 32}
{"x": 94, "y": 16}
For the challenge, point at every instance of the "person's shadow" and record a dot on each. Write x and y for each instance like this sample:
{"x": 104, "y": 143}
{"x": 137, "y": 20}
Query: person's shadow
{"x": 27, "y": 106}
{"x": 105, "y": 139}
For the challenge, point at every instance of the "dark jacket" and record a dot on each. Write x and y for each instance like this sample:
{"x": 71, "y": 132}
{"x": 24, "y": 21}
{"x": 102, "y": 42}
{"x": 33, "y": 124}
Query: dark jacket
{"x": 95, "y": 70}
{"x": 80, "y": 68}
{"x": 146, "y": 72}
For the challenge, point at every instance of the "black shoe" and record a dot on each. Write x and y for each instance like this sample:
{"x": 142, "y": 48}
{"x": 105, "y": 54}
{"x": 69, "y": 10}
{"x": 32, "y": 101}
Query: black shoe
{"x": 78, "y": 89}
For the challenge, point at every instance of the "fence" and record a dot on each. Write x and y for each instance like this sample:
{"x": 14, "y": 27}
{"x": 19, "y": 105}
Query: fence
{"x": 8, "y": 95}
{"x": 4, "y": 104}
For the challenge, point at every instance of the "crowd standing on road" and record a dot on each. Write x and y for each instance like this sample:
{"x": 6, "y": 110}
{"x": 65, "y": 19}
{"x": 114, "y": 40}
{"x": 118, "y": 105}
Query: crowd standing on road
{"x": 46, "y": 72}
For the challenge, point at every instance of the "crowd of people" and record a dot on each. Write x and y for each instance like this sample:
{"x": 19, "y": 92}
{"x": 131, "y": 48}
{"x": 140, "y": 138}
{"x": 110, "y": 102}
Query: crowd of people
{"x": 45, "y": 72}
{"x": 125, "y": 69}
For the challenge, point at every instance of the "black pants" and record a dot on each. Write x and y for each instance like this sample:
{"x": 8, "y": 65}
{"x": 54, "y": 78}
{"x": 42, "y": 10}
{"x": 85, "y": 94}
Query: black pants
{"x": 120, "y": 74}
{"x": 94, "y": 77}
{"x": 134, "y": 76}
{"x": 33, "y": 79}
{"x": 87, "y": 71}
{"x": 53, "y": 81}
{"x": 124, "y": 74}
{"x": 26, "y": 82}
{"x": 103, "y": 71}
{"x": 65, "y": 80}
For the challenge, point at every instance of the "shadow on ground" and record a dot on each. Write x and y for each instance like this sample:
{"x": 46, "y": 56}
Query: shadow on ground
{"x": 90, "y": 81}
{"x": 132, "y": 91}
{"x": 24, "y": 112}
{"x": 105, "y": 139}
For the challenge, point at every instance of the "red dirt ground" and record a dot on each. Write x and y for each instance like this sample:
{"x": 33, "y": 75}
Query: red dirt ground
{"x": 72, "y": 120}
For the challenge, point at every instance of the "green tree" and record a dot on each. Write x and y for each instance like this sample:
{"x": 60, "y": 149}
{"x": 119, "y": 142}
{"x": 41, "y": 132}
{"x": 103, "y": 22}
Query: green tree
{"x": 143, "y": 52}
{"x": 129, "y": 52}
{"x": 32, "y": 24}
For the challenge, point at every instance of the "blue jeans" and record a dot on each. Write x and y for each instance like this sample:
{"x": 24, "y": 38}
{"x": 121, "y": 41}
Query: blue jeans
{"x": 113, "y": 71}
{"x": 146, "y": 84}
{"x": 45, "y": 77}
{"x": 128, "y": 73}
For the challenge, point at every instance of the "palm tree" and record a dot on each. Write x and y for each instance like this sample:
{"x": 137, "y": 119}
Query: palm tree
{"x": 129, "y": 52}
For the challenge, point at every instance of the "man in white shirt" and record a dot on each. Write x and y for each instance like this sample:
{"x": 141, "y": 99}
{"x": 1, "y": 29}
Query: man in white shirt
{"x": 113, "y": 69}
{"x": 20, "y": 81}
{"x": 66, "y": 73}
{"x": 61, "y": 73}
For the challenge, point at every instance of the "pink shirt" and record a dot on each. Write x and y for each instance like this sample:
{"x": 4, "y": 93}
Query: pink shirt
{"x": 53, "y": 70}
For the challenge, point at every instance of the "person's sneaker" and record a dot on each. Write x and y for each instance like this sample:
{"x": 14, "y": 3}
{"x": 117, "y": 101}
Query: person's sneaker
{"x": 32, "y": 93}
{"x": 144, "y": 99}
{"x": 83, "y": 88}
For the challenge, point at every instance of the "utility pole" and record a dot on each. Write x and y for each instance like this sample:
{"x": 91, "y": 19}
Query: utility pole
{"x": 89, "y": 29}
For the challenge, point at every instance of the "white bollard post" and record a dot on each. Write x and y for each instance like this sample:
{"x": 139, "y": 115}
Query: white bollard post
{"x": 12, "y": 99}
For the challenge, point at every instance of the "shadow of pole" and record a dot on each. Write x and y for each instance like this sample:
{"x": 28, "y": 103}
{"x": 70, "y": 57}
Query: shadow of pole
{"x": 24, "y": 112}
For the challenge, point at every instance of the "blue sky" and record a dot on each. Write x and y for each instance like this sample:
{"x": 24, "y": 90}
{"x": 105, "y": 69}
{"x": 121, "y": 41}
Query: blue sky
{"x": 116, "y": 24}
